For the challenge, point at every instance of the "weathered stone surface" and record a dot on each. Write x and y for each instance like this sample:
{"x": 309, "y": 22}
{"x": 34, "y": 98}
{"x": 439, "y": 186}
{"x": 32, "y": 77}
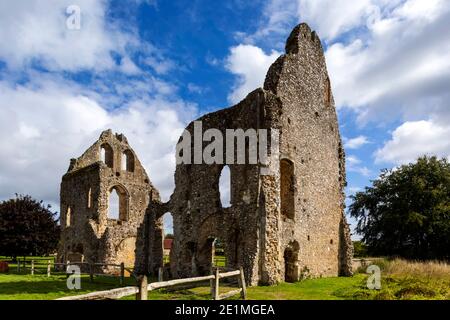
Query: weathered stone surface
{"x": 279, "y": 227}
{"x": 87, "y": 233}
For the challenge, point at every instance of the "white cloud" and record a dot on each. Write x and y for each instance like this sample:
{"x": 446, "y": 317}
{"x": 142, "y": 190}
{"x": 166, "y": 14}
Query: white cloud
{"x": 399, "y": 66}
{"x": 128, "y": 67}
{"x": 43, "y": 126}
{"x": 193, "y": 88}
{"x": 250, "y": 64}
{"x": 386, "y": 59}
{"x": 414, "y": 139}
{"x": 353, "y": 190}
{"x": 330, "y": 18}
{"x": 161, "y": 66}
{"x": 47, "y": 119}
{"x": 36, "y": 31}
{"x": 333, "y": 17}
{"x": 356, "y": 143}
{"x": 354, "y": 165}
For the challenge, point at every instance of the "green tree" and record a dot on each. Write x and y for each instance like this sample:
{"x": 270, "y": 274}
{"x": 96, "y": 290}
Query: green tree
{"x": 407, "y": 211}
{"x": 27, "y": 227}
{"x": 169, "y": 236}
{"x": 359, "y": 249}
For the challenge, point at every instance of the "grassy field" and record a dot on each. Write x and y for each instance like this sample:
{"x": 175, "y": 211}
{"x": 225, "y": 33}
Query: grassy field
{"x": 400, "y": 280}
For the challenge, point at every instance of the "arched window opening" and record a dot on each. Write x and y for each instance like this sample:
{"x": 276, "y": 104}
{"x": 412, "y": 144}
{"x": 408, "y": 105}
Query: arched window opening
{"x": 89, "y": 198}
{"x": 291, "y": 269}
{"x": 225, "y": 187}
{"x": 118, "y": 204}
{"x": 210, "y": 254}
{"x": 168, "y": 236}
{"x": 128, "y": 161}
{"x": 287, "y": 188}
{"x": 218, "y": 253}
{"x": 107, "y": 155}
{"x": 327, "y": 93}
{"x": 68, "y": 216}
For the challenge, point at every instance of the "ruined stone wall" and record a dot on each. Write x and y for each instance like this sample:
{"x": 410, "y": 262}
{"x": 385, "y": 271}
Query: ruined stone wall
{"x": 91, "y": 235}
{"x": 199, "y": 216}
{"x": 310, "y": 140}
{"x": 282, "y": 226}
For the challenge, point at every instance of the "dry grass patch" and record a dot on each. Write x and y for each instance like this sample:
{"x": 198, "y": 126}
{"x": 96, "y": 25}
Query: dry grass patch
{"x": 428, "y": 269}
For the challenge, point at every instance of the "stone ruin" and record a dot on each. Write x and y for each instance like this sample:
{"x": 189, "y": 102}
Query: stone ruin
{"x": 88, "y": 233}
{"x": 279, "y": 227}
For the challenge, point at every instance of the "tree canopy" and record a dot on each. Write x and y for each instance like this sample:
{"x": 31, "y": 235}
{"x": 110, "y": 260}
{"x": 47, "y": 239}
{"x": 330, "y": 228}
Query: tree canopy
{"x": 27, "y": 227}
{"x": 407, "y": 211}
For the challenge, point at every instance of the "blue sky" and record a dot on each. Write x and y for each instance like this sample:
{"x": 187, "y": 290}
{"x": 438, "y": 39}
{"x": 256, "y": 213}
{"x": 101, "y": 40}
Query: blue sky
{"x": 147, "y": 67}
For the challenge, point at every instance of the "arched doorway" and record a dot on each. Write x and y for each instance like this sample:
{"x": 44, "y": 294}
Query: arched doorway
{"x": 291, "y": 269}
{"x": 218, "y": 254}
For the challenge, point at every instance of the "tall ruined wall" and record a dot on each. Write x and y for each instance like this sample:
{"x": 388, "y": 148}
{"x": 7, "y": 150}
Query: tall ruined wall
{"x": 200, "y": 217}
{"x": 281, "y": 226}
{"x": 88, "y": 233}
{"x": 310, "y": 145}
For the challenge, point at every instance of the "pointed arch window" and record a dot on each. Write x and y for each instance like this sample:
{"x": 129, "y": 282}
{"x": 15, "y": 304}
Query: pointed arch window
{"x": 118, "y": 204}
{"x": 107, "y": 155}
{"x": 128, "y": 161}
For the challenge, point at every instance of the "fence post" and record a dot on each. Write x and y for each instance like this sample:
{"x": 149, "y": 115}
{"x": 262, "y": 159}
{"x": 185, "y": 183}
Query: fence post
{"x": 32, "y": 267}
{"x": 143, "y": 288}
{"x": 216, "y": 285}
{"x": 122, "y": 273}
{"x": 48, "y": 268}
{"x": 160, "y": 274}
{"x": 67, "y": 268}
{"x": 242, "y": 284}
{"x": 211, "y": 282}
{"x": 91, "y": 272}
{"x": 18, "y": 265}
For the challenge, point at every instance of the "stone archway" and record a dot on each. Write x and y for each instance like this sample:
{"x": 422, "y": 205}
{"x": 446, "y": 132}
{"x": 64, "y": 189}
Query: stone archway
{"x": 291, "y": 265}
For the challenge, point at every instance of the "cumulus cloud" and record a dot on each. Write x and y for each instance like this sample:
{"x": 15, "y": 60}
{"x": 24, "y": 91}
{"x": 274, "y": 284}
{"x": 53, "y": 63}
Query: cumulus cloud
{"x": 43, "y": 127}
{"x": 250, "y": 64}
{"x": 48, "y": 118}
{"x": 399, "y": 67}
{"x": 354, "y": 164}
{"x": 387, "y": 60}
{"x": 356, "y": 143}
{"x": 36, "y": 31}
{"x": 414, "y": 139}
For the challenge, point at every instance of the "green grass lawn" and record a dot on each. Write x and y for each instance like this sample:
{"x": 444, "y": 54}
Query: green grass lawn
{"x": 400, "y": 280}
{"x": 22, "y": 286}
{"x": 311, "y": 289}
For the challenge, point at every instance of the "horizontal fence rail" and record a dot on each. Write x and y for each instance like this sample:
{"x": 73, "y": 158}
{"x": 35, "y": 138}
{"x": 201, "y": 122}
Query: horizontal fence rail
{"x": 141, "y": 291}
{"x": 107, "y": 294}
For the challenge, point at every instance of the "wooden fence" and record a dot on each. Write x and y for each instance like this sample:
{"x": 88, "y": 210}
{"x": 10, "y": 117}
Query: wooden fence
{"x": 142, "y": 289}
{"x": 49, "y": 266}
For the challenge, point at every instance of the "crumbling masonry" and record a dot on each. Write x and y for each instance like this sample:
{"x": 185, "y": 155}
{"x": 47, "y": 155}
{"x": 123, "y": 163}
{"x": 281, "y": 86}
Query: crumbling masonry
{"x": 88, "y": 234}
{"x": 279, "y": 227}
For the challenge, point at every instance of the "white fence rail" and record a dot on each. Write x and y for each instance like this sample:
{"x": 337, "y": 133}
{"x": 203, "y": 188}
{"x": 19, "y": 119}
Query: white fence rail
{"x": 141, "y": 291}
